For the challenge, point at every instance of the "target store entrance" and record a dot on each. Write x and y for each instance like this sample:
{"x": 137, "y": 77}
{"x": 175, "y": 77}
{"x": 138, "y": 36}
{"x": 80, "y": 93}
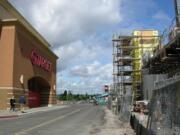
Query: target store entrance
{"x": 39, "y": 91}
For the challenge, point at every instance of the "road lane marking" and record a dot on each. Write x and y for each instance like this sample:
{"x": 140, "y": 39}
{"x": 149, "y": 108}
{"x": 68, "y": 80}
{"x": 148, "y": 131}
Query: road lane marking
{"x": 46, "y": 123}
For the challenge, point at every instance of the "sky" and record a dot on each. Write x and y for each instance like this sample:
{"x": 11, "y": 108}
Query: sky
{"x": 80, "y": 32}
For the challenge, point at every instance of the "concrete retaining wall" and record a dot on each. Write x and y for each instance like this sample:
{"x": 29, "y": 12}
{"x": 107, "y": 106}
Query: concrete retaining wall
{"x": 165, "y": 110}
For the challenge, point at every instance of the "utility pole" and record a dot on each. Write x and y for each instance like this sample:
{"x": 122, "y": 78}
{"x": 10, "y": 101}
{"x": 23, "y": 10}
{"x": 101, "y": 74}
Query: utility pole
{"x": 176, "y": 3}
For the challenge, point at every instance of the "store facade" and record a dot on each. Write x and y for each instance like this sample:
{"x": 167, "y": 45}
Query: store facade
{"x": 27, "y": 64}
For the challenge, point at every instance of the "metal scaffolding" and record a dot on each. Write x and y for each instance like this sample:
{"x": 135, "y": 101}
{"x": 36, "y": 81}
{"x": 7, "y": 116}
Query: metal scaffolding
{"x": 129, "y": 54}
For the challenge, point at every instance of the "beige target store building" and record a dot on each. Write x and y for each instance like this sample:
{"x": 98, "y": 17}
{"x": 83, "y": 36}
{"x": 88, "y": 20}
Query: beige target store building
{"x": 27, "y": 64}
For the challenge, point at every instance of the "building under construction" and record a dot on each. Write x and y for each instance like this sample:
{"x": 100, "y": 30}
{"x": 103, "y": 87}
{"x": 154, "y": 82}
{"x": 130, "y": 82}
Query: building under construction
{"x": 150, "y": 64}
{"x": 129, "y": 54}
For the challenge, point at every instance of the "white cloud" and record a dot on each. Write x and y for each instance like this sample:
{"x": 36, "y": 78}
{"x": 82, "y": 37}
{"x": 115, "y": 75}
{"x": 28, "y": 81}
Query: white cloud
{"x": 82, "y": 52}
{"x": 81, "y": 31}
{"x": 85, "y": 70}
{"x": 98, "y": 73}
{"x": 65, "y": 21}
{"x": 85, "y": 78}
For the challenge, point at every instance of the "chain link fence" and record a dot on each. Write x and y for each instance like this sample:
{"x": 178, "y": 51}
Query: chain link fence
{"x": 125, "y": 108}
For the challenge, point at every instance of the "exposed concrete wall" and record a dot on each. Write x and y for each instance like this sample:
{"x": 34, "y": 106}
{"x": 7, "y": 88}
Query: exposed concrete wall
{"x": 165, "y": 110}
{"x": 148, "y": 83}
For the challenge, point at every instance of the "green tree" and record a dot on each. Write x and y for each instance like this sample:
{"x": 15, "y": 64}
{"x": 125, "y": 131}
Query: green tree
{"x": 64, "y": 96}
{"x": 70, "y": 95}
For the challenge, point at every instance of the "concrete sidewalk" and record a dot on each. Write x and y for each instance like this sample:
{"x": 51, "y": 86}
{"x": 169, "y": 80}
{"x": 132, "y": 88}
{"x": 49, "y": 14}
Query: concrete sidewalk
{"x": 112, "y": 126}
{"x": 17, "y": 113}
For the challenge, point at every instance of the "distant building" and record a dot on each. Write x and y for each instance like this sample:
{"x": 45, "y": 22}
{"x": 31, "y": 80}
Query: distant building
{"x": 27, "y": 64}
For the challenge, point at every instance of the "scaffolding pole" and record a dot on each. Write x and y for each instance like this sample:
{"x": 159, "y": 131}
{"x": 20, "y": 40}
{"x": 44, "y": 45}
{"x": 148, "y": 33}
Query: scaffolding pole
{"x": 128, "y": 53}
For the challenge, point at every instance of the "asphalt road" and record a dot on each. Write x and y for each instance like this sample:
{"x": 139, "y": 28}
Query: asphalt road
{"x": 73, "y": 120}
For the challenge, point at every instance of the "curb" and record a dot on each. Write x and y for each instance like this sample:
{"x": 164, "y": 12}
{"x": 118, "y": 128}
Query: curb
{"x": 9, "y": 116}
{"x": 28, "y": 113}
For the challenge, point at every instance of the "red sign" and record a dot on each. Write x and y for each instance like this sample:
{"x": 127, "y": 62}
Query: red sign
{"x": 106, "y": 88}
{"x": 40, "y": 61}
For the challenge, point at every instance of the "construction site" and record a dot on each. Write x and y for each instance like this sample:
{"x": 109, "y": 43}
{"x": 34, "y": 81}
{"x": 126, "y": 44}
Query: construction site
{"x": 146, "y": 79}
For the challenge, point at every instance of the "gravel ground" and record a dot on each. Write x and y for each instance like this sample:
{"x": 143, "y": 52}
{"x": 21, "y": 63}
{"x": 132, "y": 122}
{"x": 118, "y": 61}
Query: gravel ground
{"x": 111, "y": 125}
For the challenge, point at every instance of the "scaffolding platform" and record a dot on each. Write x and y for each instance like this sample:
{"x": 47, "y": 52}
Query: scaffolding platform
{"x": 128, "y": 55}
